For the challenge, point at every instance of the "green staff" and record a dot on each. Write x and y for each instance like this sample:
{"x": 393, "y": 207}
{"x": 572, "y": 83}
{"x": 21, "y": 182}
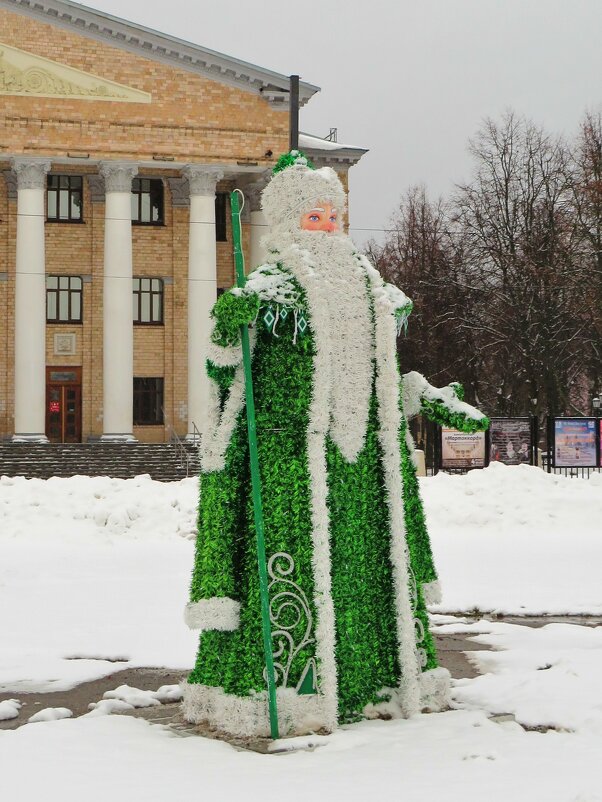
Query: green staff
{"x": 255, "y": 478}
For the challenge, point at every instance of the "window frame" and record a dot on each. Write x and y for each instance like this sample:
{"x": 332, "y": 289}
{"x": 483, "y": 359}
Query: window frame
{"x": 71, "y": 191}
{"x": 137, "y": 318}
{"x": 138, "y": 193}
{"x": 156, "y": 396}
{"x": 71, "y": 291}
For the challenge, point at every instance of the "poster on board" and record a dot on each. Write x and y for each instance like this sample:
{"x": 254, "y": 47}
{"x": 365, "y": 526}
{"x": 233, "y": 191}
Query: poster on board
{"x": 510, "y": 441}
{"x": 574, "y": 443}
{"x": 462, "y": 450}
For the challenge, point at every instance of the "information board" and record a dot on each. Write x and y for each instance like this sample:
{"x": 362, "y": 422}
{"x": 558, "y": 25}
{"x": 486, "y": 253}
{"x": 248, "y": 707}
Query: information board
{"x": 510, "y": 441}
{"x": 462, "y": 450}
{"x": 575, "y": 443}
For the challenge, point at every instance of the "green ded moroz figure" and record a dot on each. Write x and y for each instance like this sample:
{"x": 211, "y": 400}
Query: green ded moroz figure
{"x": 348, "y": 555}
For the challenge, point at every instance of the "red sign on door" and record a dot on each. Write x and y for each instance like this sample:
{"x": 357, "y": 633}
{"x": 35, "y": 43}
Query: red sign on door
{"x": 54, "y": 406}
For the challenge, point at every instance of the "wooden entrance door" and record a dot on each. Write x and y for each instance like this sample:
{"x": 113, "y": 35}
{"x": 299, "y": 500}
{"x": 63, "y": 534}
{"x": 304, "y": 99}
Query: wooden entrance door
{"x": 63, "y": 405}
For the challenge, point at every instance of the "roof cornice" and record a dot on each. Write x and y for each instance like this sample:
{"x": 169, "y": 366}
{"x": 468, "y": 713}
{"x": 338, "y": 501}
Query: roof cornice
{"x": 158, "y": 46}
{"x": 326, "y": 153}
{"x": 334, "y": 158}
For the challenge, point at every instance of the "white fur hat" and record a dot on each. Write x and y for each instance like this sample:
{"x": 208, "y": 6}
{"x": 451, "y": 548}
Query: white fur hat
{"x": 296, "y": 189}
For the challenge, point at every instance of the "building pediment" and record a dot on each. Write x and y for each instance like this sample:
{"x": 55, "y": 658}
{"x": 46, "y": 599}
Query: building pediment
{"x": 23, "y": 73}
{"x": 137, "y": 39}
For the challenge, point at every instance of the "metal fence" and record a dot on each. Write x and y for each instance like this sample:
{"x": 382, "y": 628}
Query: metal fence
{"x": 428, "y": 438}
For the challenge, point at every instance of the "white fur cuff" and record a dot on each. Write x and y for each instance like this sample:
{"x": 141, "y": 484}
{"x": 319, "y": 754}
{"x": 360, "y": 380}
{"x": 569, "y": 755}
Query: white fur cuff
{"x": 224, "y": 356}
{"x": 219, "y": 613}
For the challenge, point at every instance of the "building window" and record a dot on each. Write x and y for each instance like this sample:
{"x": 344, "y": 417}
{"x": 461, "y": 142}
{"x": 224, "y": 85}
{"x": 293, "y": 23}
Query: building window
{"x": 63, "y": 299}
{"x": 148, "y": 402}
{"x": 221, "y": 210}
{"x": 148, "y": 301}
{"x": 65, "y": 198}
{"x": 147, "y": 201}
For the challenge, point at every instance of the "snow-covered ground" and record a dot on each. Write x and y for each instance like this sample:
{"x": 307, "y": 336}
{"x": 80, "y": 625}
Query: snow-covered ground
{"x": 96, "y": 570}
{"x": 517, "y": 540}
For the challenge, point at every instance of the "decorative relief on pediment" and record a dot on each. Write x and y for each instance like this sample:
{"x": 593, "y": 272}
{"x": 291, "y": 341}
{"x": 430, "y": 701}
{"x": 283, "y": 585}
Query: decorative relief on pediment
{"x": 23, "y": 73}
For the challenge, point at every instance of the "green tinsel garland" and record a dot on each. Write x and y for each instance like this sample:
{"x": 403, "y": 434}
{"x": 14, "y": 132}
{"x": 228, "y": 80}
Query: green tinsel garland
{"x": 222, "y": 375}
{"x": 438, "y": 412}
{"x": 231, "y": 311}
{"x": 291, "y": 158}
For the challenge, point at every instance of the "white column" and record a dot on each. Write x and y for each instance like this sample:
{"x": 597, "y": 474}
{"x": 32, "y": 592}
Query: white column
{"x": 259, "y": 228}
{"x": 202, "y": 285}
{"x": 118, "y": 331}
{"x": 30, "y": 300}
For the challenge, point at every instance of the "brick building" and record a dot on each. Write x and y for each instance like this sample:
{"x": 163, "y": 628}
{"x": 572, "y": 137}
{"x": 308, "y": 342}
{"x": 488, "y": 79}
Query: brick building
{"x": 118, "y": 148}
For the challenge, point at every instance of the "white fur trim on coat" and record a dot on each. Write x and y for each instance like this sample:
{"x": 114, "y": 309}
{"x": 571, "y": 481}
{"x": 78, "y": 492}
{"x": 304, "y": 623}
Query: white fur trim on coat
{"x": 220, "y": 424}
{"x": 217, "y": 613}
{"x": 224, "y": 356}
{"x": 390, "y": 420}
{"x": 434, "y": 696}
{"x": 338, "y": 299}
{"x": 248, "y": 715}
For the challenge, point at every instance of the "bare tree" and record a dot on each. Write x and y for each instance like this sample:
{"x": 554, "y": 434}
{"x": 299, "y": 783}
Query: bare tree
{"x": 419, "y": 256}
{"x": 506, "y": 276}
{"x": 514, "y": 220}
{"x": 587, "y": 194}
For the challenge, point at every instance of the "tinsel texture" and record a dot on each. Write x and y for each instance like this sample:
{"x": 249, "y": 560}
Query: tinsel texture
{"x": 350, "y": 564}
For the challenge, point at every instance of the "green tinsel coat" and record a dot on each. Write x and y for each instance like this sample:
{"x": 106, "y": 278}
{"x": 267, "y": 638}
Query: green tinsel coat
{"x": 361, "y": 571}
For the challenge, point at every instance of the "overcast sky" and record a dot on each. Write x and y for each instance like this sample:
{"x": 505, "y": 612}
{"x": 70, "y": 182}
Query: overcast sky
{"x": 409, "y": 79}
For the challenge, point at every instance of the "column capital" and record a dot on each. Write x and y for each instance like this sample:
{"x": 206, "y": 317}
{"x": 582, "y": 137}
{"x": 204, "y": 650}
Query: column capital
{"x": 30, "y": 171}
{"x": 202, "y": 178}
{"x": 118, "y": 175}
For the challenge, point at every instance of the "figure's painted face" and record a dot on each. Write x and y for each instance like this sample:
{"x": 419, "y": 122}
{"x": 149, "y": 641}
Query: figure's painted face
{"x": 323, "y": 218}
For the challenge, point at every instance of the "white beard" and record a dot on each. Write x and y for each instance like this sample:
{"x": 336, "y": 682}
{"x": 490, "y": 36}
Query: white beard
{"x": 337, "y": 294}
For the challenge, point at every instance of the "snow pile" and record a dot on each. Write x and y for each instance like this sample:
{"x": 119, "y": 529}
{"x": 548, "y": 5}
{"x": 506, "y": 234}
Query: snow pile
{"x": 84, "y": 507}
{"x": 133, "y": 696}
{"x": 107, "y": 707}
{"x": 125, "y": 698}
{"x": 516, "y": 540}
{"x": 168, "y": 693}
{"x": 9, "y": 708}
{"x": 50, "y": 714}
{"x": 546, "y": 676}
{"x": 94, "y": 577}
